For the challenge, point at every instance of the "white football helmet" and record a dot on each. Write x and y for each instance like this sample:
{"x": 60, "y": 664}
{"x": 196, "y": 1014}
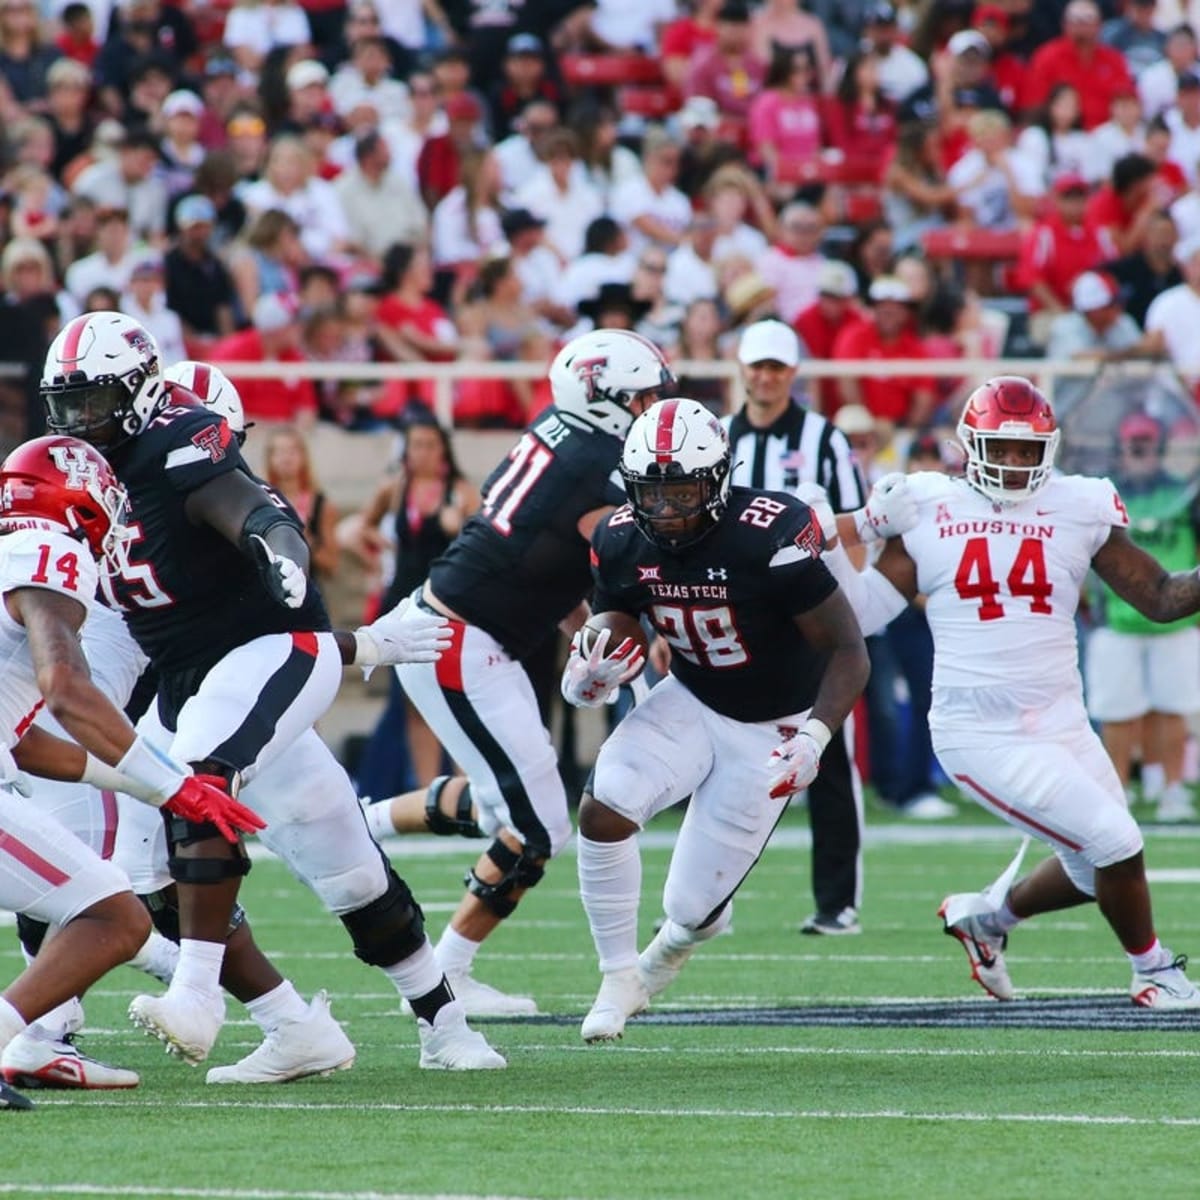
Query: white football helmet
{"x": 213, "y": 388}
{"x": 598, "y": 375}
{"x": 676, "y": 467}
{"x": 101, "y": 381}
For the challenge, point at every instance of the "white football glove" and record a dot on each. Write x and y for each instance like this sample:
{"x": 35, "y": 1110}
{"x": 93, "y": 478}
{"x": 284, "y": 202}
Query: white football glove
{"x": 588, "y": 682}
{"x": 793, "y": 764}
{"x": 817, "y": 498}
{"x": 890, "y": 511}
{"x": 399, "y": 638}
{"x": 284, "y": 578}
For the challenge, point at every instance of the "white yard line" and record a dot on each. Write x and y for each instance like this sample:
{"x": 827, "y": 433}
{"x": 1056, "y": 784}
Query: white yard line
{"x": 187, "y": 1193}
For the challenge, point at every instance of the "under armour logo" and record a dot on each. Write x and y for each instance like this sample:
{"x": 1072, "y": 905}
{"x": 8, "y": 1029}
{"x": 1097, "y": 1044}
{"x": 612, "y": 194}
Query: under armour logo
{"x": 79, "y": 470}
{"x": 717, "y": 573}
{"x": 650, "y": 574}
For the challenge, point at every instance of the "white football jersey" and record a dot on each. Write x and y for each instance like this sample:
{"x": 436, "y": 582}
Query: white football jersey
{"x": 39, "y": 558}
{"x": 1003, "y": 584}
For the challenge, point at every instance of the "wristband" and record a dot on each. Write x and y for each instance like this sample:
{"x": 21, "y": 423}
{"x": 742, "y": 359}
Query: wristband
{"x": 818, "y": 731}
{"x": 145, "y": 773}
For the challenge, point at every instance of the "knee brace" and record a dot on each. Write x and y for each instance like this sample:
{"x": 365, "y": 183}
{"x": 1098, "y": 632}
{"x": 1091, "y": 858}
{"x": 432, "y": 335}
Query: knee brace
{"x": 163, "y": 907}
{"x": 390, "y": 928}
{"x": 461, "y": 824}
{"x": 31, "y": 933}
{"x": 518, "y": 870}
{"x": 185, "y": 833}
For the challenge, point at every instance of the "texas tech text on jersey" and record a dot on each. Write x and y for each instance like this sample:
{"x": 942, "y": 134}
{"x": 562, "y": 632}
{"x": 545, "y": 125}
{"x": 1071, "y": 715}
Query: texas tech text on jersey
{"x": 725, "y": 604}
{"x": 520, "y": 564}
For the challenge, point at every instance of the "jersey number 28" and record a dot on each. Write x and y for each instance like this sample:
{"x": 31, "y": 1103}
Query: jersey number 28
{"x": 705, "y": 636}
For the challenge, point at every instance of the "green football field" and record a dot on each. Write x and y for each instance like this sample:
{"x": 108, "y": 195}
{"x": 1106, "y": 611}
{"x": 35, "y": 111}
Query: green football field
{"x": 777, "y": 1066}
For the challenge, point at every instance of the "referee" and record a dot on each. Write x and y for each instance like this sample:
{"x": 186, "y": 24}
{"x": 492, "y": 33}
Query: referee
{"x": 779, "y": 444}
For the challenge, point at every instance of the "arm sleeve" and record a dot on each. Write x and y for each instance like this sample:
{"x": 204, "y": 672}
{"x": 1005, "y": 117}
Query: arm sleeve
{"x": 874, "y": 600}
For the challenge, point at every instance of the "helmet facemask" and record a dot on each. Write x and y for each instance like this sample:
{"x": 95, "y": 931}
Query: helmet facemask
{"x": 97, "y": 411}
{"x": 999, "y": 482}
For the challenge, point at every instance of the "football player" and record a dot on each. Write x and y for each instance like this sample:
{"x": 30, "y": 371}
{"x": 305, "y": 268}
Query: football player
{"x": 767, "y": 660}
{"x": 1001, "y": 554}
{"x": 518, "y": 569}
{"x": 63, "y": 521}
{"x": 215, "y": 591}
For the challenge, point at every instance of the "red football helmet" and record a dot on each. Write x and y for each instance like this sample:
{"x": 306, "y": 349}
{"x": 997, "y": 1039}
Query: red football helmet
{"x": 1007, "y": 408}
{"x": 64, "y": 481}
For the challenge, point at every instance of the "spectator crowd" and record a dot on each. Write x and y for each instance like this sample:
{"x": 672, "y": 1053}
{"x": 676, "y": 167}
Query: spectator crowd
{"x": 415, "y": 181}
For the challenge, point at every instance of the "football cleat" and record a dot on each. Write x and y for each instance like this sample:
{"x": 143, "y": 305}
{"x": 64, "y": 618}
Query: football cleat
{"x": 622, "y": 994}
{"x": 985, "y": 951}
{"x": 659, "y": 963}
{"x": 13, "y": 1101}
{"x": 1175, "y": 804}
{"x": 30, "y": 1061}
{"x": 1165, "y": 987}
{"x": 186, "y": 1022}
{"x": 450, "y": 1044}
{"x": 838, "y": 924}
{"x": 314, "y": 1045}
{"x": 482, "y": 1000}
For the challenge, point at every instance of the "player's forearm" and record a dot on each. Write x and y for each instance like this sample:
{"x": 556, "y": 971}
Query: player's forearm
{"x": 1176, "y": 595}
{"x": 845, "y": 677}
{"x": 41, "y": 753}
{"x": 86, "y": 714}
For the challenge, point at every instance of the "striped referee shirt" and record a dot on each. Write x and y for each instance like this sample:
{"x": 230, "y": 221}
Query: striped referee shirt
{"x": 800, "y": 447}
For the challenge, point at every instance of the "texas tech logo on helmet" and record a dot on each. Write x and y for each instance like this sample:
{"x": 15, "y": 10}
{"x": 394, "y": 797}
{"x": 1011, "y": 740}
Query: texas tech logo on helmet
{"x": 79, "y": 471}
{"x": 589, "y": 370}
{"x": 139, "y": 339}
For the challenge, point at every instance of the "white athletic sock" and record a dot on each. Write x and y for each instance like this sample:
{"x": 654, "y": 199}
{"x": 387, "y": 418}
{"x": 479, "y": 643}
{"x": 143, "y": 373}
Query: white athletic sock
{"x": 379, "y": 820}
{"x": 11, "y": 1023}
{"x": 418, "y": 974}
{"x": 1000, "y": 922}
{"x": 455, "y": 953}
{"x": 53, "y": 1025}
{"x": 1156, "y": 956}
{"x": 158, "y": 956}
{"x": 1154, "y": 779}
{"x": 610, "y": 886}
{"x": 199, "y": 967}
{"x": 282, "y": 1003}
{"x": 680, "y": 937}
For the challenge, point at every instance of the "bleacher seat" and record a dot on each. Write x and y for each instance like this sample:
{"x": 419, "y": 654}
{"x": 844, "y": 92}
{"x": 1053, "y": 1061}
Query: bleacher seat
{"x": 609, "y": 70}
{"x": 649, "y": 101}
{"x": 989, "y": 245}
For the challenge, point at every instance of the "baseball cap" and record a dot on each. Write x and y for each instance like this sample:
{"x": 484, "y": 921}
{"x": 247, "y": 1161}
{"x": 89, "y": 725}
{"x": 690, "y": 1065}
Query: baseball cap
{"x": 272, "y": 313}
{"x": 462, "y": 107}
{"x": 518, "y": 220}
{"x": 966, "y": 40}
{"x": 992, "y": 13}
{"x": 1189, "y": 78}
{"x": 1091, "y": 291}
{"x": 306, "y": 73}
{"x": 771, "y": 341}
{"x": 525, "y": 43}
{"x": 1070, "y": 181}
{"x": 1138, "y": 426}
{"x": 700, "y": 112}
{"x": 837, "y": 278}
{"x": 150, "y": 267}
{"x": 853, "y": 419}
{"x": 219, "y": 65}
{"x": 880, "y": 14}
{"x": 195, "y": 210}
{"x": 182, "y": 101}
{"x": 888, "y": 287}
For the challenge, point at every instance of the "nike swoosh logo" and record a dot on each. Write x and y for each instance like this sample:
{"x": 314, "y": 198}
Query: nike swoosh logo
{"x": 1044, "y": 512}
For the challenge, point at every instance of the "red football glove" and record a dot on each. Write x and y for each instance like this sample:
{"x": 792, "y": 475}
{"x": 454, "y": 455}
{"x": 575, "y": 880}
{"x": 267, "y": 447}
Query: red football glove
{"x": 203, "y": 798}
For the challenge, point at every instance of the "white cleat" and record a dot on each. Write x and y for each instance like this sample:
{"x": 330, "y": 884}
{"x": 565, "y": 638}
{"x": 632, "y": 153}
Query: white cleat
{"x": 314, "y": 1045}
{"x": 482, "y": 1000}
{"x": 659, "y": 963}
{"x": 1175, "y": 804}
{"x": 1165, "y": 987}
{"x": 985, "y": 951}
{"x": 622, "y": 995}
{"x": 30, "y": 1061}
{"x": 450, "y": 1044}
{"x": 186, "y": 1023}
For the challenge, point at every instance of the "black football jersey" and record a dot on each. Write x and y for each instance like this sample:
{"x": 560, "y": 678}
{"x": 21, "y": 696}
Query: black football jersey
{"x": 520, "y": 565}
{"x": 189, "y": 595}
{"x": 726, "y": 604}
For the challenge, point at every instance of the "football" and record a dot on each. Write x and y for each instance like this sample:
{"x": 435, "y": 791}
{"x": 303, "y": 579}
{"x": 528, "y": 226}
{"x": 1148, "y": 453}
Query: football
{"x": 620, "y": 626}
